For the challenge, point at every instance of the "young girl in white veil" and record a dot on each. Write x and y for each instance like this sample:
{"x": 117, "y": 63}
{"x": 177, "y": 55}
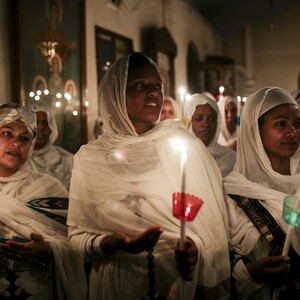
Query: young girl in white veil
{"x": 266, "y": 170}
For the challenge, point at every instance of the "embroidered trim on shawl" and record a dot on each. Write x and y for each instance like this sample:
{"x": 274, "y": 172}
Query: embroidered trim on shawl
{"x": 263, "y": 221}
{"x": 273, "y": 234}
{"x": 50, "y": 203}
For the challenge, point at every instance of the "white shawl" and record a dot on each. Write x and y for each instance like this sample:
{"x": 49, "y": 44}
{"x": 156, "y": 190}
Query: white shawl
{"x": 16, "y": 191}
{"x": 124, "y": 182}
{"x": 253, "y": 175}
{"x": 52, "y": 159}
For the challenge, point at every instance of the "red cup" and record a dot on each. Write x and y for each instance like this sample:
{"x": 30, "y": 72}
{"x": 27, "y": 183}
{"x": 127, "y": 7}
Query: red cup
{"x": 192, "y": 206}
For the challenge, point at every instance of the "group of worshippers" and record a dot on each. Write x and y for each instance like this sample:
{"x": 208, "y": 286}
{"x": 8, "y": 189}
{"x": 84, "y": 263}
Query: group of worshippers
{"x": 214, "y": 123}
{"x": 118, "y": 212}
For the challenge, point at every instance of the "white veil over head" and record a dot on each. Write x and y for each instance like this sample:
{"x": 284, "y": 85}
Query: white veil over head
{"x": 175, "y": 106}
{"x": 112, "y": 95}
{"x": 13, "y": 112}
{"x": 51, "y": 122}
{"x": 222, "y": 103}
{"x": 202, "y": 99}
{"x": 224, "y": 156}
{"x": 252, "y": 160}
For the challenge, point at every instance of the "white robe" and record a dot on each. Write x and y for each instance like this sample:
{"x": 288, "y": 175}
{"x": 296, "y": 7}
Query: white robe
{"x": 65, "y": 270}
{"x": 124, "y": 182}
{"x": 254, "y": 177}
{"x": 52, "y": 159}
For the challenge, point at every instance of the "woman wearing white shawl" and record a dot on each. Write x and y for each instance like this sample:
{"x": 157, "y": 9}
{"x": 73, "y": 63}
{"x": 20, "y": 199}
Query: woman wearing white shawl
{"x": 48, "y": 158}
{"x": 228, "y": 107}
{"x": 36, "y": 261}
{"x": 124, "y": 181}
{"x": 255, "y": 177}
{"x": 201, "y": 123}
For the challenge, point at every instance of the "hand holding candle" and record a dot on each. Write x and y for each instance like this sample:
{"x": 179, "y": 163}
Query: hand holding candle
{"x": 185, "y": 206}
{"x": 291, "y": 214}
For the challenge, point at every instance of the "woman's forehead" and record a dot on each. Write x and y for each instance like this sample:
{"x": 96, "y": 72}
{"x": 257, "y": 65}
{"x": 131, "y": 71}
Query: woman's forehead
{"x": 143, "y": 71}
{"x": 17, "y": 125}
{"x": 282, "y": 109}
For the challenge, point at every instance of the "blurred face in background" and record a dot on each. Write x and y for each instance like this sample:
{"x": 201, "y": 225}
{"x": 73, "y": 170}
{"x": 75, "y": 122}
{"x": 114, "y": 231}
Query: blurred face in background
{"x": 205, "y": 123}
{"x": 167, "y": 111}
{"x": 230, "y": 116}
{"x": 43, "y": 130}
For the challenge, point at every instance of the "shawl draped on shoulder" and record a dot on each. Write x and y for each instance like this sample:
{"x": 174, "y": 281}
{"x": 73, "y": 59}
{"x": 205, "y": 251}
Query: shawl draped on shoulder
{"x": 253, "y": 175}
{"x": 16, "y": 192}
{"x": 123, "y": 182}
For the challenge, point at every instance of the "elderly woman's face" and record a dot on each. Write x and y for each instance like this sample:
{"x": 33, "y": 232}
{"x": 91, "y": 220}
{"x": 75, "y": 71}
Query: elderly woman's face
{"x": 144, "y": 97}
{"x": 15, "y": 142}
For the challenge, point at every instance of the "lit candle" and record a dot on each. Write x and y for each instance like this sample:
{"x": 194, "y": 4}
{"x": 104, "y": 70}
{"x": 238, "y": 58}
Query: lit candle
{"x": 182, "y": 101}
{"x": 221, "y": 91}
{"x": 183, "y": 179}
{"x": 179, "y": 145}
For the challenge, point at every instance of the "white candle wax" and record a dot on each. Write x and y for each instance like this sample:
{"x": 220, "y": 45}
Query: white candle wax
{"x": 182, "y": 218}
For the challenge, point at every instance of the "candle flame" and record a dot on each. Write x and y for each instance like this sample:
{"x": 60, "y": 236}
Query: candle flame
{"x": 178, "y": 144}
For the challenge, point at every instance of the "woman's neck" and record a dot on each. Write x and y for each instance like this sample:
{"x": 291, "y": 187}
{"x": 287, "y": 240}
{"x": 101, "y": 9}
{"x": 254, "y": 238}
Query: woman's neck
{"x": 282, "y": 166}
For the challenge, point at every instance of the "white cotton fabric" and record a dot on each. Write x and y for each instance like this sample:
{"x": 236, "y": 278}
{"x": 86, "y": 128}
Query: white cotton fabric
{"x": 123, "y": 182}
{"x": 17, "y": 219}
{"x": 224, "y": 156}
{"x": 254, "y": 177}
{"x": 252, "y": 160}
{"x": 225, "y": 137}
{"x": 52, "y": 159}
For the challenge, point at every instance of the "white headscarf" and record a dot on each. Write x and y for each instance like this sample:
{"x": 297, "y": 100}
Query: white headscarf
{"x": 252, "y": 160}
{"x": 253, "y": 175}
{"x": 15, "y": 215}
{"x": 52, "y": 159}
{"x": 224, "y": 156}
{"x": 51, "y": 123}
{"x": 175, "y": 106}
{"x": 124, "y": 182}
{"x": 116, "y": 108}
{"x": 13, "y": 112}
